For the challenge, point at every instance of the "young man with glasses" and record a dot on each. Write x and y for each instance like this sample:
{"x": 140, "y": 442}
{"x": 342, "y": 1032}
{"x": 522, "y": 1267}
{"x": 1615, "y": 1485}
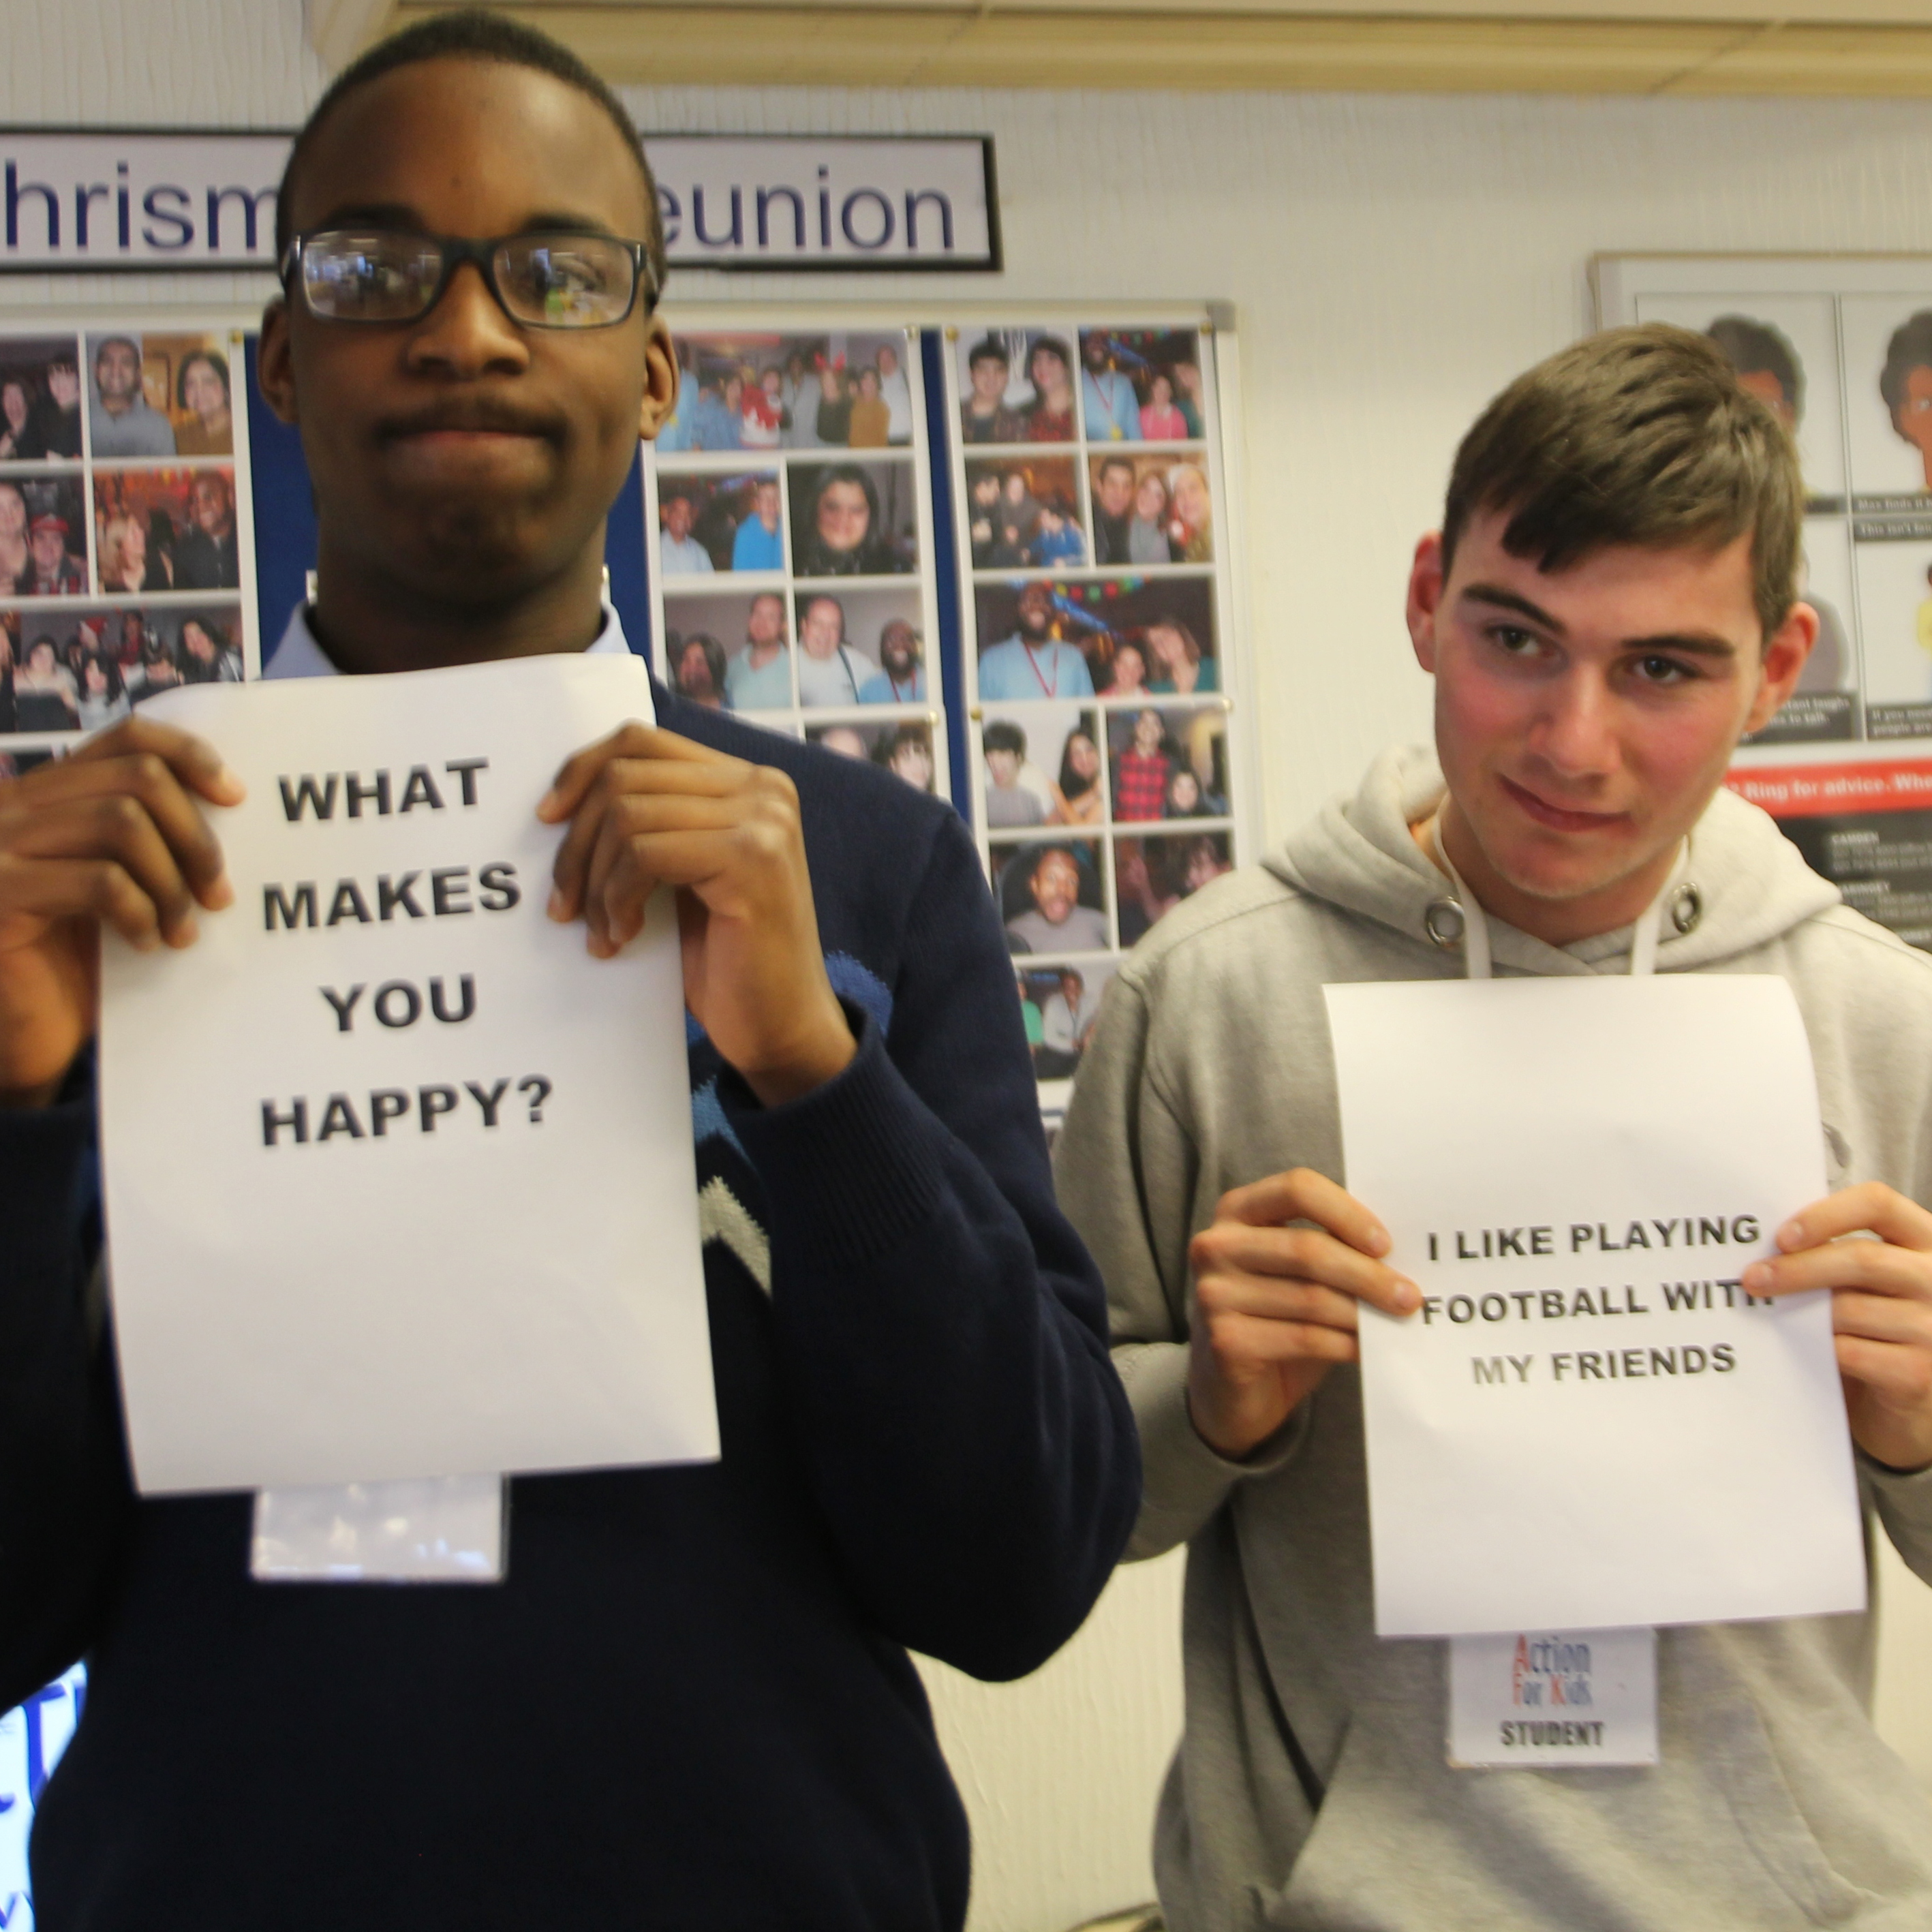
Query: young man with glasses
{"x": 688, "y": 1703}
{"x": 1609, "y": 607}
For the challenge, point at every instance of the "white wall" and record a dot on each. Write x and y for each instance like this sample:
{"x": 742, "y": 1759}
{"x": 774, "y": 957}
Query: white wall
{"x": 1393, "y": 260}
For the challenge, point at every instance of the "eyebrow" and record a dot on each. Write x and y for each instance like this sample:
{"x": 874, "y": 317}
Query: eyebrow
{"x": 1693, "y": 643}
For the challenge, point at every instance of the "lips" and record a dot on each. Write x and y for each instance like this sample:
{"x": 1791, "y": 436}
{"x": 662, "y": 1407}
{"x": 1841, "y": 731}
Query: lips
{"x": 479, "y": 421}
{"x": 1557, "y": 817}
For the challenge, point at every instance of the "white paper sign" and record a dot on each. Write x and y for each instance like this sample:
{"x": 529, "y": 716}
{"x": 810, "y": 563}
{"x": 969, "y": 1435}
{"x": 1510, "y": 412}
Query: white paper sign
{"x": 1533, "y": 1699}
{"x": 1587, "y": 1425}
{"x": 399, "y": 1181}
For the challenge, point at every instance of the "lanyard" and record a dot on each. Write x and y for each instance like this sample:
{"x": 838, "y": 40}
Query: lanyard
{"x": 1050, "y": 690}
{"x": 1476, "y": 927}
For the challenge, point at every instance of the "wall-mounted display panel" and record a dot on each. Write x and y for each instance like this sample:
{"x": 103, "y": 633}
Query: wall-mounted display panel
{"x": 1840, "y": 348}
{"x": 1103, "y": 664}
{"x": 127, "y": 540}
{"x": 788, "y": 524}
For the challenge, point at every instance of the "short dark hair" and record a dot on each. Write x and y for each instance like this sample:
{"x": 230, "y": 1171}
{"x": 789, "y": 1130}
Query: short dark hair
{"x": 1910, "y": 348}
{"x": 1639, "y": 436}
{"x": 105, "y": 343}
{"x": 474, "y": 33}
{"x": 1003, "y": 735}
{"x": 1755, "y": 348}
{"x": 1116, "y": 462}
{"x": 989, "y": 348}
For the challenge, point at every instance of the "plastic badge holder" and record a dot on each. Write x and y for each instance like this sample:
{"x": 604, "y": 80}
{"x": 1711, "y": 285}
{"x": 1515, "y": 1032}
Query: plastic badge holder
{"x": 434, "y": 1529}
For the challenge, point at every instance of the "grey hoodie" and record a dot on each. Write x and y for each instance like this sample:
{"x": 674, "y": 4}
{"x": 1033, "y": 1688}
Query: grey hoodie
{"x": 1311, "y": 1789}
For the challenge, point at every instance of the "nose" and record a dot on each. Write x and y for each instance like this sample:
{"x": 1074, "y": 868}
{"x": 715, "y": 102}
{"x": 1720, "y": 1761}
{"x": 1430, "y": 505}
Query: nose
{"x": 1575, "y": 731}
{"x": 467, "y": 334}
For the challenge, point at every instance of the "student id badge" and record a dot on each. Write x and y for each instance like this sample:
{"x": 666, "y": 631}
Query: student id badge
{"x": 432, "y": 1529}
{"x": 1553, "y": 1699}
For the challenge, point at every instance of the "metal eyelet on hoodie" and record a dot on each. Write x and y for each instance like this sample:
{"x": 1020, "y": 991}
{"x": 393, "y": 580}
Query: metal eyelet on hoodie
{"x": 1687, "y": 908}
{"x": 1444, "y": 924}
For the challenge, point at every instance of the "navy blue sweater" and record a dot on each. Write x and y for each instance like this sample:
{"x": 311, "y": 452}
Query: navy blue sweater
{"x": 690, "y": 1703}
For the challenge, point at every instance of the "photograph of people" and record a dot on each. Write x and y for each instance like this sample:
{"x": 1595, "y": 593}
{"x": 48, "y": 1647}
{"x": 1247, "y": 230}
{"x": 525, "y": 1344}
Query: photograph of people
{"x": 1107, "y": 396}
{"x": 204, "y": 421}
{"x": 17, "y": 397}
{"x": 1017, "y": 793}
{"x": 17, "y": 556}
{"x": 54, "y": 428}
{"x": 985, "y": 415}
{"x": 763, "y": 418}
{"x": 44, "y": 693}
{"x": 1152, "y": 876}
{"x": 831, "y": 669}
{"x": 1179, "y": 665}
{"x": 852, "y": 519}
{"x": 1051, "y": 896}
{"x": 679, "y": 553}
{"x": 758, "y": 678}
{"x": 1767, "y": 364}
{"x": 1022, "y": 515}
{"x": 1033, "y": 661}
{"x": 128, "y": 564}
{"x": 902, "y": 672}
{"x": 157, "y": 668}
{"x": 122, "y": 421}
{"x": 895, "y": 391}
{"x": 1161, "y": 418}
{"x": 1113, "y": 487}
{"x": 759, "y": 542}
{"x": 870, "y": 424}
{"x": 1142, "y": 760}
{"x": 209, "y": 654}
{"x": 40, "y": 398}
{"x": 1067, "y": 1011}
{"x": 1050, "y": 370}
{"x": 1079, "y": 798}
{"x": 1905, "y": 384}
{"x": 1191, "y": 531}
{"x": 53, "y": 569}
{"x": 10, "y": 656}
{"x": 905, "y": 750}
{"x": 697, "y": 669}
{"x": 102, "y": 698}
{"x": 1563, "y": 845}
{"x": 1148, "y": 540}
{"x": 1126, "y": 670}
{"x": 208, "y": 553}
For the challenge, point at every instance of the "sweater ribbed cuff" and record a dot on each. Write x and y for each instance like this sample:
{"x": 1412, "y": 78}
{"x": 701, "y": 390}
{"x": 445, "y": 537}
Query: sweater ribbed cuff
{"x": 1183, "y": 1481}
{"x": 849, "y": 1169}
{"x": 1904, "y": 1503}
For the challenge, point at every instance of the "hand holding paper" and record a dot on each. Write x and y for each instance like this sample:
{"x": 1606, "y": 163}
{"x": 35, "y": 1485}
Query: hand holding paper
{"x": 111, "y": 836}
{"x": 1277, "y": 1303}
{"x": 649, "y": 808}
{"x": 1881, "y": 1310}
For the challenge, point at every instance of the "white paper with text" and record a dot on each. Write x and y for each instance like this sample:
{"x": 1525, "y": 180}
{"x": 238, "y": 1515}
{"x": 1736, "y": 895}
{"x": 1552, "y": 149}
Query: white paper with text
{"x": 1588, "y": 1426}
{"x": 399, "y": 1181}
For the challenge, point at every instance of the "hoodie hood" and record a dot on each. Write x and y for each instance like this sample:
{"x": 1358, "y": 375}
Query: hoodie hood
{"x": 1751, "y": 887}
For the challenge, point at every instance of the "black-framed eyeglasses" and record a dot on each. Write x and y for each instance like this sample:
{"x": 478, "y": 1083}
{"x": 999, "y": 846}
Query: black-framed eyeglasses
{"x": 542, "y": 280}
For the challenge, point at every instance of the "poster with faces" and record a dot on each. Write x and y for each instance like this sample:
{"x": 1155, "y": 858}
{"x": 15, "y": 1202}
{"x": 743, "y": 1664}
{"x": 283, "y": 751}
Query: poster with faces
{"x": 1095, "y": 598}
{"x": 1840, "y": 349}
{"x": 127, "y": 553}
{"x": 788, "y": 538}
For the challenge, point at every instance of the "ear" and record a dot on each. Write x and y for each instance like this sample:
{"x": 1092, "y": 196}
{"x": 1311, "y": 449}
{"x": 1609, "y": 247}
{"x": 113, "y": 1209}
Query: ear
{"x": 274, "y": 370}
{"x": 1425, "y": 599}
{"x": 661, "y": 380}
{"x": 1783, "y": 659}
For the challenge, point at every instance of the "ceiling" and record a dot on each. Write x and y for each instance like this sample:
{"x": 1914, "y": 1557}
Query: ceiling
{"x": 1871, "y": 47}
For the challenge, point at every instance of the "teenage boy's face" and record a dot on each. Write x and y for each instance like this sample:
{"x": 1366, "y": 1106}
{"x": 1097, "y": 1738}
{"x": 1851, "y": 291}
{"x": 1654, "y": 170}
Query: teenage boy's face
{"x": 461, "y": 457}
{"x": 1584, "y": 717}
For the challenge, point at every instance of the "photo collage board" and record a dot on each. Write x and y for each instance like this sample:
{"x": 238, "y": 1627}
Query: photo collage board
{"x": 1092, "y": 527}
{"x": 1840, "y": 348}
{"x": 127, "y": 540}
{"x": 788, "y": 537}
